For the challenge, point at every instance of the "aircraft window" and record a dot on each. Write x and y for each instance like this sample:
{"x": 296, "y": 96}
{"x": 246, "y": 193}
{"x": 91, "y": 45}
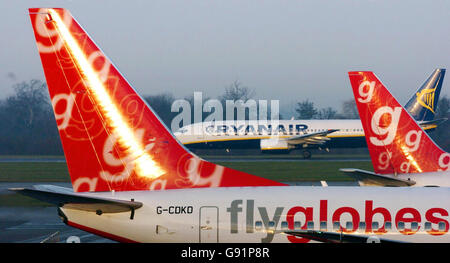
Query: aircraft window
{"x": 323, "y": 225}
{"x": 271, "y": 224}
{"x": 284, "y": 225}
{"x": 442, "y": 226}
{"x": 258, "y": 225}
{"x": 388, "y": 225}
{"x": 297, "y": 225}
{"x": 349, "y": 225}
{"x": 414, "y": 226}
{"x": 401, "y": 225}
{"x": 375, "y": 226}
{"x": 362, "y": 226}
{"x": 427, "y": 226}
{"x": 337, "y": 226}
{"x": 310, "y": 225}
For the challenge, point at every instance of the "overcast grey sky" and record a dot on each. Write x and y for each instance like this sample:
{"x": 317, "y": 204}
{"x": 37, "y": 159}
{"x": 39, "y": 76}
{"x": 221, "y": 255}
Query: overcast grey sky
{"x": 286, "y": 50}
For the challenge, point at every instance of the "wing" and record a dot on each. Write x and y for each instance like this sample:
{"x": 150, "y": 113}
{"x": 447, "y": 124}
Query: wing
{"x": 337, "y": 237}
{"x": 311, "y": 138}
{"x": 371, "y": 178}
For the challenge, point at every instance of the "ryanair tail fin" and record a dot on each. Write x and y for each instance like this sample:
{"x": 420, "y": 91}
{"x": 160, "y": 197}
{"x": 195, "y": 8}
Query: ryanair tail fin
{"x": 422, "y": 106}
{"x": 111, "y": 139}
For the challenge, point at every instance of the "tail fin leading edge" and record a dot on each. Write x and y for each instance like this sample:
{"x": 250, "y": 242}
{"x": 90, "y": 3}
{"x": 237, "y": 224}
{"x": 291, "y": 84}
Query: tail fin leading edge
{"x": 111, "y": 139}
{"x": 396, "y": 142}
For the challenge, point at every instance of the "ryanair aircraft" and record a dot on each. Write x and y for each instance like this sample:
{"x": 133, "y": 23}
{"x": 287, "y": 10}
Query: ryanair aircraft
{"x": 285, "y": 135}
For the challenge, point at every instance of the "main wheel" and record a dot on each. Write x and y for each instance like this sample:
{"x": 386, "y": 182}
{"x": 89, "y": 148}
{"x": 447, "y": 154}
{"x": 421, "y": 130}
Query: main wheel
{"x": 306, "y": 154}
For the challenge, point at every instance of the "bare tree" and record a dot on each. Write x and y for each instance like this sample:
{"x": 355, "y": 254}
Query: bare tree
{"x": 162, "y": 104}
{"x": 306, "y": 110}
{"x": 236, "y": 94}
{"x": 27, "y": 123}
{"x": 236, "y": 91}
{"x": 349, "y": 109}
{"x": 327, "y": 113}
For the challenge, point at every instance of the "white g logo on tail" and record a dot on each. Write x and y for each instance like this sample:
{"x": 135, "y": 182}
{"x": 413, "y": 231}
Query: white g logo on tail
{"x": 103, "y": 72}
{"x": 384, "y": 160}
{"x": 413, "y": 145}
{"x": 389, "y": 131}
{"x": 404, "y": 167}
{"x": 126, "y": 161}
{"x": 444, "y": 161}
{"x": 91, "y": 182}
{"x": 42, "y": 29}
{"x": 366, "y": 96}
{"x": 67, "y": 114}
{"x": 195, "y": 177}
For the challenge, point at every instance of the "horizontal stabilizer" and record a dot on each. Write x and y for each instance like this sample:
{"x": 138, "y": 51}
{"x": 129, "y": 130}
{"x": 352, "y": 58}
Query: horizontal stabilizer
{"x": 371, "y": 178}
{"x": 63, "y": 198}
{"x": 427, "y": 125}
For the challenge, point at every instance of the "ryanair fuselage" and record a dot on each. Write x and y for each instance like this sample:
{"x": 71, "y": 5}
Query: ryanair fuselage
{"x": 248, "y": 134}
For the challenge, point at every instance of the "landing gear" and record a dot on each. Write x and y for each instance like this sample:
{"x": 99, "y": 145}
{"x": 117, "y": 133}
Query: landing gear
{"x": 306, "y": 154}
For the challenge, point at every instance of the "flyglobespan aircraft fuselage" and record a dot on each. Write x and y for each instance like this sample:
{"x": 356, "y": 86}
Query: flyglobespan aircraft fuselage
{"x": 264, "y": 214}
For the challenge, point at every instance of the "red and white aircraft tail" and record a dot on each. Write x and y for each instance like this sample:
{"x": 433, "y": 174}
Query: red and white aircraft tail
{"x": 396, "y": 142}
{"x": 111, "y": 139}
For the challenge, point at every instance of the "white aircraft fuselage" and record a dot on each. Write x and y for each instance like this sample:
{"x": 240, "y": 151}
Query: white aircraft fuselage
{"x": 350, "y": 131}
{"x": 261, "y": 214}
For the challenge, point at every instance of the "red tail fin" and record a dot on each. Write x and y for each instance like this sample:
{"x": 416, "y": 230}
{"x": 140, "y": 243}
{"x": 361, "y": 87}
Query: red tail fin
{"x": 396, "y": 142}
{"x": 112, "y": 140}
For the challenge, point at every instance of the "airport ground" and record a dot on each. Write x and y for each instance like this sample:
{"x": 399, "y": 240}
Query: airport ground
{"x": 26, "y": 220}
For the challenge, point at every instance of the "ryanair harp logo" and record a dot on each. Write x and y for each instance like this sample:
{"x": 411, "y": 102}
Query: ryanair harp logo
{"x": 426, "y": 98}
